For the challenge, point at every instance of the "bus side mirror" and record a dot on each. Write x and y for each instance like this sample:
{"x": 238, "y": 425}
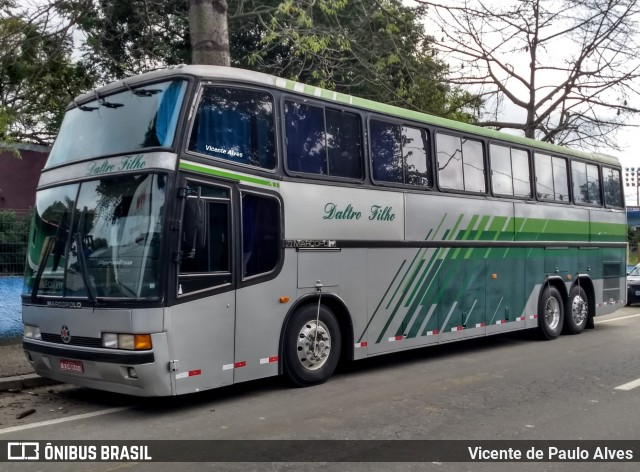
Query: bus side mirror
{"x": 194, "y": 232}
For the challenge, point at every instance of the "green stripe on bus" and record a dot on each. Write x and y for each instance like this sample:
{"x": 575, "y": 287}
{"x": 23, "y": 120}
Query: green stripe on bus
{"x": 228, "y": 175}
{"x": 381, "y": 300}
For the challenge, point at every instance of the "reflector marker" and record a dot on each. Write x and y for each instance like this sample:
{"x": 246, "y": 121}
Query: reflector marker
{"x": 396, "y": 338}
{"x": 457, "y": 328}
{"x": 533, "y": 317}
{"x": 435, "y": 332}
{"x": 235, "y": 365}
{"x": 363, "y": 344}
{"x": 521, "y": 318}
{"x": 191, "y": 373}
{"x": 499, "y": 322}
{"x": 269, "y": 360}
{"x": 481, "y": 325}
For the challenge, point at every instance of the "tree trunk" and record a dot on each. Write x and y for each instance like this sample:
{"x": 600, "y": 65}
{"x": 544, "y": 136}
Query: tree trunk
{"x": 209, "y": 32}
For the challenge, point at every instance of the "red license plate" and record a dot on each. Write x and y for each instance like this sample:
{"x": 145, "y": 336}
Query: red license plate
{"x": 71, "y": 366}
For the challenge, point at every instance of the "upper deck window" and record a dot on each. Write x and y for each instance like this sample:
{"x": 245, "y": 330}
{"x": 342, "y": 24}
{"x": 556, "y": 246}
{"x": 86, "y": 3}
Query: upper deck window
{"x": 235, "y": 125}
{"x": 323, "y": 141}
{"x": 460, "y": 163}
{"x": 510, "y": 171}
{"x": 586, "y": 183}
{"x": 612, "y": 187}
{"x": 144, "y": 117}
{"x": 552, "y": 180}
{"x": 400, "y": 154}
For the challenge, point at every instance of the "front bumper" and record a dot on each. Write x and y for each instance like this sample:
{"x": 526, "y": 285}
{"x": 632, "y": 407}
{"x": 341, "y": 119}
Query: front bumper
{"x": 105, "y": 369}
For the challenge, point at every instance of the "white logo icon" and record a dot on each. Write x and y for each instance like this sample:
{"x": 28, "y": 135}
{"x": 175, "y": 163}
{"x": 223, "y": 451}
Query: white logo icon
{"x": 23, "y": 451}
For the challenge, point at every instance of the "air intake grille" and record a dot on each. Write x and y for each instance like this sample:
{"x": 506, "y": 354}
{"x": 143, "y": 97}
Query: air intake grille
{"x": 75, "y": 340}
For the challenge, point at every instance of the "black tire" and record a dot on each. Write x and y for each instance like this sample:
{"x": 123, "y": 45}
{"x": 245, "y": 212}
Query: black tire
{"x": 301, "y": 365}
{"x": 576, "y": 314}
{"x": 550, "y": 313}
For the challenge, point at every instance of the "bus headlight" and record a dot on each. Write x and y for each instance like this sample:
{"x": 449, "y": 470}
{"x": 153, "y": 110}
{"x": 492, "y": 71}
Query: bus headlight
{"x": 32, "y": 332}
{"x": 130, "y": 342}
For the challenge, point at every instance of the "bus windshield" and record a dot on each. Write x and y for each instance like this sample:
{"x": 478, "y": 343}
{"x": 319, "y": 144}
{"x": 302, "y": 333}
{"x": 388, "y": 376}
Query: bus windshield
{"x": 143, "y": 117}
{"x": 97, "y": 239}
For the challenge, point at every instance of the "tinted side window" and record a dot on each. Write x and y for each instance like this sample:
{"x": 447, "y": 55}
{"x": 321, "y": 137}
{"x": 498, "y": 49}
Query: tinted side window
{"x": 386, "y": 152}
{"x": 560, "y": 179}
{"x": 344, "y": 144}
{"x": 235, "y": 125}
{"x": 501, "y": 172}
{"x": 323, "y": 141}
{"x": 510, "y": 171}
{"x": 552, "y": 181}
{"x": 544, "y": 177}
{"x": 521, "y": 173}
{"x": 305, "y": 138}
{"x": 612, "y": 189}
{"x": 586, "y": 183}
{"x": 460, "y": 163}
{"x": 399, "y": 154}
{"x": 260, "y": 234}
{"x": 416, "y": 159}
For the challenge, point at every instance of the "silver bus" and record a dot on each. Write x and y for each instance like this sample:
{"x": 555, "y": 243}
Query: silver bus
{"x": 200, "y": 226}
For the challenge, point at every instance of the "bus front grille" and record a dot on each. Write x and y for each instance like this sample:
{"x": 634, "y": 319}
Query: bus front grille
{"x": 75, "y": 340}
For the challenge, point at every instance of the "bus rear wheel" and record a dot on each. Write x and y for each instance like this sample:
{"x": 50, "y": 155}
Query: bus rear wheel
{"x": 577, "y": 312}
{"x": 550, "y": 313}
{"x": 312, "y": 345}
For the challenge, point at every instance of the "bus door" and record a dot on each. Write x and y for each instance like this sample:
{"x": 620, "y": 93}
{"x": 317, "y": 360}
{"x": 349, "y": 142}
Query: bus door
{"x": 266, "y": 284}
{"x": 201, "y": 325}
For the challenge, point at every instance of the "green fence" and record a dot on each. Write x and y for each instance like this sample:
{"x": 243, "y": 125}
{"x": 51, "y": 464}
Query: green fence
{"x": 14, "y": 235}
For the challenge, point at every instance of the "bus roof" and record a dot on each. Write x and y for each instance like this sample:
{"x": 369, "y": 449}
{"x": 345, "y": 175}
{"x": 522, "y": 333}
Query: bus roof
{"x": 258, "y": 78}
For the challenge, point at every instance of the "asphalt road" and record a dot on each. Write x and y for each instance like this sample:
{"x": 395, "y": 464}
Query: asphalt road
{"x": 505, "y": 387}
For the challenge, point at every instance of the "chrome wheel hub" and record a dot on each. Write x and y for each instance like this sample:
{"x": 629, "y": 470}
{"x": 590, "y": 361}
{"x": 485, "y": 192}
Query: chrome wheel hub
{"x": 579, "y": 309}
{"x": 552, "y": 313}
{"x": 314, "y": 345}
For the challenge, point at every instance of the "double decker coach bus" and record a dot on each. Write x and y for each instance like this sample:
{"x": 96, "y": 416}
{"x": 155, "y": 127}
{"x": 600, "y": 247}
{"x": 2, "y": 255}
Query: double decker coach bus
{"x": 201, "y": 226}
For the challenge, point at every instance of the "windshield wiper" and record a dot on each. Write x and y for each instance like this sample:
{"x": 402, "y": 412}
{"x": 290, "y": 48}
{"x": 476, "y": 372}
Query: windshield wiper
{"x": 84, "y": 107}
{"x": 145, "y": 92}
{"x": 82, "y": 259}
{"x": 49, "y": 244}
{"x": 105, "y": 103}
{"x": 84, "y": 270}
{"x": 142, "y": 92}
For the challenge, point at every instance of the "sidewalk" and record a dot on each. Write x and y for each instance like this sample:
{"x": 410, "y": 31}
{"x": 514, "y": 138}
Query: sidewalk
{"x": 15, "y": 370}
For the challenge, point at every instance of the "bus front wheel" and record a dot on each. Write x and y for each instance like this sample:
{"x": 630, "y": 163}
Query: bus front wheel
{"x": 550, "y": 313}
{"x": 311, "y": 346}
{"x": 577, "y": 312}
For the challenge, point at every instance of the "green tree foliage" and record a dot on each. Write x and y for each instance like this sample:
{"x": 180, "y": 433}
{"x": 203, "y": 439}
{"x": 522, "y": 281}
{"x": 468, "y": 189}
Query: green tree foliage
{"x": 38, "y": 78}
{"x": 127, "y": 37}
{"x": 375, "y": 49}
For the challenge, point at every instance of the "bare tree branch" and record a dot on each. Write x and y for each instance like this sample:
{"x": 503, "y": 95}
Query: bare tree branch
{"x": 570, "y": 66}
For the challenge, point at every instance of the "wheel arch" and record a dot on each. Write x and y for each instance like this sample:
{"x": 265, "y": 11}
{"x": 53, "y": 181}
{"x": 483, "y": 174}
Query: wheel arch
{"x": 558, "y": 283}
{"x": 339, "y": 309}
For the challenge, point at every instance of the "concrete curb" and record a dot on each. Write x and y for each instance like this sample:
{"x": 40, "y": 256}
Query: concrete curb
{"x": 21, "y": 382}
